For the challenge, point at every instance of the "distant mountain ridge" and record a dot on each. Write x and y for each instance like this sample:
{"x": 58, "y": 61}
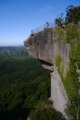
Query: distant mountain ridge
{"x": 12, "y": 52}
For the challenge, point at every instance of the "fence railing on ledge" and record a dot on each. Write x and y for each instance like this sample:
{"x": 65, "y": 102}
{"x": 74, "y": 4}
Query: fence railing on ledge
{"x": 42, "y": 27}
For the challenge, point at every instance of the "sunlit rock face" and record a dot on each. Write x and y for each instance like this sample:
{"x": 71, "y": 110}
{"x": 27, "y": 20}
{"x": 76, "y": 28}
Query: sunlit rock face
{"x": 40, "y": 46}
{"x": 46, "y": 47}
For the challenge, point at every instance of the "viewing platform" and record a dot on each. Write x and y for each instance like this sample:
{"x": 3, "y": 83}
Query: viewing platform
{"x": 42, "y": 27}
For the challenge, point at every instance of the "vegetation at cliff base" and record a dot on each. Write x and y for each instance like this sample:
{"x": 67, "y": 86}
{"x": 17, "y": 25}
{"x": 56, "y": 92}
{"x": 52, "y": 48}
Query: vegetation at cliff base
{"x": 47, "y": 113}
{"x": 24, "y": 85}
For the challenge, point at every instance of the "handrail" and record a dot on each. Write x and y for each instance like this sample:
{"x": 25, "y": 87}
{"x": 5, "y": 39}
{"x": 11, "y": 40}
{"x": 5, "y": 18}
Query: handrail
{"x": 42, "y": 27}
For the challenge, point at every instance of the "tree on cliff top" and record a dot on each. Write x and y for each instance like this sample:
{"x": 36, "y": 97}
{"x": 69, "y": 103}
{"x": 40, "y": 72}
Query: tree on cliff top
{"x": 72, "y": 14}
{"x": 60, "y": 20}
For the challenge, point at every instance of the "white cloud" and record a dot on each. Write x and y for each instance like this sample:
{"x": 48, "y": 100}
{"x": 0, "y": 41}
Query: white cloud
{"x": 46, "y": 8}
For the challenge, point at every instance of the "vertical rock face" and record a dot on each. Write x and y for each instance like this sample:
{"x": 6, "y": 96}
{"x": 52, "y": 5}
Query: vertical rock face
{"x": 47, "y": 47}
{"x": 58, "y": 93}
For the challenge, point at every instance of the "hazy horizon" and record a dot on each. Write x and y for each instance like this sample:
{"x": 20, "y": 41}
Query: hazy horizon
{"x": 10, "y": 45}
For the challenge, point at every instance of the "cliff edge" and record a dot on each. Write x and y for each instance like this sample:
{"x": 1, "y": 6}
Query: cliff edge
{"x": 54, "y": 47}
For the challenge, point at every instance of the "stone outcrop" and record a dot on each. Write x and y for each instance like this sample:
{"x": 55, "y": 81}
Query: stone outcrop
{"x": 46, "y": 47}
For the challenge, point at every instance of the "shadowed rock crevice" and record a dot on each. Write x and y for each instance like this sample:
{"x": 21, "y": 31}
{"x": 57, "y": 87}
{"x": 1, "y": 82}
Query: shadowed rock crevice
{"x": 47, "y": 65}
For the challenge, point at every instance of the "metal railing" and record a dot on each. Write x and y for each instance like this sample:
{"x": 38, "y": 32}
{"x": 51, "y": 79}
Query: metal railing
{"x": 42, "y": 27}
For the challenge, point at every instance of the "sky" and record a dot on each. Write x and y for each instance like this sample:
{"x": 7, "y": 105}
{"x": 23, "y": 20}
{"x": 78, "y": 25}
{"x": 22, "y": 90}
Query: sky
{"x": 19, "y": 17}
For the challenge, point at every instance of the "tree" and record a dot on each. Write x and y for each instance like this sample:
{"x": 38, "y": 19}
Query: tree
{"x": 47, "y": 113}
{"x": 60, "y": 20}
{"x": 72, "y": 14}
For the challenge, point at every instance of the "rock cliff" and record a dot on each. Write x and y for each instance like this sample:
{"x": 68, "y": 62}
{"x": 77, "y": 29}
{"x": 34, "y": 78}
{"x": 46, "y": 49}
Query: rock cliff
{"x": 50, "y": 46}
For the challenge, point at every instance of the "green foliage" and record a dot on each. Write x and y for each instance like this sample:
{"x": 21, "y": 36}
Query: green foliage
{"x": 71, "y": 34}
{"x": 72, "y": 14}
{"x": 71, "y": 80}
{"x": 73, "y": 107}
{"x": 32, "y": 34}
{"x": 73, "y": 38}
{"x": 58, "y": 31}
{"x": 67, "y": 80}
{"x": 46, "y": 103}
{"x": 59, "y": 21}
{"x": 13, "y": 53}
{"x": 46, "y": 113}
{"x": 23, "y": 85}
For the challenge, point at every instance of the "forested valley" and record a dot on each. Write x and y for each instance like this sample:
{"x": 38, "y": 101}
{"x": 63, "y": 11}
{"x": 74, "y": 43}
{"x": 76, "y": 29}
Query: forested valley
{"x": 23, "y": 83}
{"x": 24, "y": 87}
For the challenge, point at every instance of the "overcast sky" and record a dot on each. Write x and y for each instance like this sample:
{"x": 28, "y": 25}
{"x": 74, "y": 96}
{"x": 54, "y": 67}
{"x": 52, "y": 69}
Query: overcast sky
{"x": 19, "y": 17}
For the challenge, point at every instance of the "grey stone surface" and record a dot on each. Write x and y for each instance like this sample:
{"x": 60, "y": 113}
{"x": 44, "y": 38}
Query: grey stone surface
{"x": 58, "y": 93}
